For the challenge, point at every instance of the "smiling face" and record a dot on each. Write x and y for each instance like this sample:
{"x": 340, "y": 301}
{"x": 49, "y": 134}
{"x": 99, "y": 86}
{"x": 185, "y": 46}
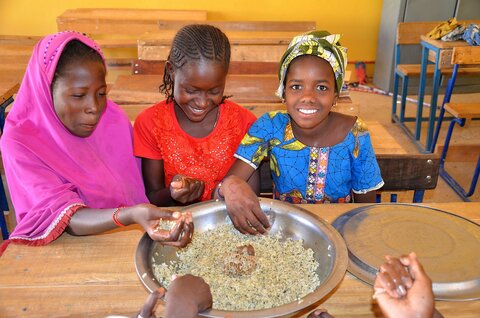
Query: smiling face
{"x": 198, "y": 87}
{"x": 309, "y": 91}
{"x": 79, "y": 96}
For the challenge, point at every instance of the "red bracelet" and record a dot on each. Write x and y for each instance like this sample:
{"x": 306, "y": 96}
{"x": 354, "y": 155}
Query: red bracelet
{"x": 115, "y": 217}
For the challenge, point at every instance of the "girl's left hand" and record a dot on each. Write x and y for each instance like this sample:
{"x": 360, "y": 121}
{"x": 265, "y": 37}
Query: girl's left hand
{"x": 186, "y": 189}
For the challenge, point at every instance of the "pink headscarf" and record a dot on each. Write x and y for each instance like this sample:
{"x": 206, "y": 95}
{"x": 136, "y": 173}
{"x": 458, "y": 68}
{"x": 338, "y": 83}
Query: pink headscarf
{"x": 51, "y": 172}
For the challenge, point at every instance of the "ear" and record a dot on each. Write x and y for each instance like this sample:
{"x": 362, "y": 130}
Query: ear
{"x": 335, "y": 99}
{"x": 170, "y": 70}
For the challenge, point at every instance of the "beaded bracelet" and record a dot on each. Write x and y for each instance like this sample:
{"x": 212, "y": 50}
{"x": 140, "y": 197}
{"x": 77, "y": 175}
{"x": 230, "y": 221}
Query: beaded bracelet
{"x": 115, "y": 217}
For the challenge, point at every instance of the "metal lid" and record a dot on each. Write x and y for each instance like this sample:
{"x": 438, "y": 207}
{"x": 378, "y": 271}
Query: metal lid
{"x": 447, "y": 245}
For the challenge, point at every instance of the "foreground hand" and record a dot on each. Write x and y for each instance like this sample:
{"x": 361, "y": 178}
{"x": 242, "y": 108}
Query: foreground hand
{"x": 319, "y": 313}
{"x": 185, "y": 189}
{"x": 148, "y": 309}
{"x": 148, "y": 216}
{"x": 187, "y": 295}
{"x": 243, "y": 207}
{"x": 403, "y": 289}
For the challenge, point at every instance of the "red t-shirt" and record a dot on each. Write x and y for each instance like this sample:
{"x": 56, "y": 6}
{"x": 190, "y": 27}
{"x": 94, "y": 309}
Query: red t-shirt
{"x": 158, "y": 135}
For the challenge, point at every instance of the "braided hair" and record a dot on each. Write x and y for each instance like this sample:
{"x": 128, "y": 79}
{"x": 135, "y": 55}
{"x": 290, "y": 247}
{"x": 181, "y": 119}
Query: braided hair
{"x": 73, "y": 52}
{"x": 195, "y": 42}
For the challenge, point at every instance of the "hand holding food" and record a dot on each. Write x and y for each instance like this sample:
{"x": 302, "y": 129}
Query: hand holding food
{"x": 185, "y": 189}
{"x": 179, "y": 235}
{"x": 403, "y": 289}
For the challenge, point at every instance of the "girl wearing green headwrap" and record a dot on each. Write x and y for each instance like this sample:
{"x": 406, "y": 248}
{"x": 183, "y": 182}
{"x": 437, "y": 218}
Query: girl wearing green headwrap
{"x": 316, "y": 155}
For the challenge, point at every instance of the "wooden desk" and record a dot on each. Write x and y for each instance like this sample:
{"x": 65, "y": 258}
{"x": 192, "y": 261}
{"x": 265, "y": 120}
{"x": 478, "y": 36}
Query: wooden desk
{"x": 95, "y": 276}
{"x": 7, "y": 90}
{"x": 266, "y": 46}
{"x": 440, "y": 52}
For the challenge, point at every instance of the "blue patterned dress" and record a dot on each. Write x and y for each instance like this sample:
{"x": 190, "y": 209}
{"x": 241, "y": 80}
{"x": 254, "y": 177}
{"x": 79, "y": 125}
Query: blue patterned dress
{"x": 303, "y": 174}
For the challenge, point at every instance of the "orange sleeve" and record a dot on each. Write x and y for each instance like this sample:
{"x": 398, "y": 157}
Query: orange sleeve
{"x": 145, "y": 144}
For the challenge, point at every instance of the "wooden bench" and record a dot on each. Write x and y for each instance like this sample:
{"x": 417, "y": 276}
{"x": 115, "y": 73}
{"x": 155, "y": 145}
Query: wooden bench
{"x": 119, "y": 29}
{"x": 153, "y": 67}
{"x": 96, "y": 21}
{"x": 15, "y": 52}
{"x": 267, "y": 46}
{"x": 296, "y": 26}
{"x": 250, "y": 88}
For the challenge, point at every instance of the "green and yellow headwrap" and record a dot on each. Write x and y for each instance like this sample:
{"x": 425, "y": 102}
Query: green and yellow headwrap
{"x": 317, "y": 43}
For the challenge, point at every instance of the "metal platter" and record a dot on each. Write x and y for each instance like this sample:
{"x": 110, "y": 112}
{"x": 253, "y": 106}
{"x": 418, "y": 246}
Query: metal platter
{"x": 447, "y": 245}
{"x": 294, "y": 222}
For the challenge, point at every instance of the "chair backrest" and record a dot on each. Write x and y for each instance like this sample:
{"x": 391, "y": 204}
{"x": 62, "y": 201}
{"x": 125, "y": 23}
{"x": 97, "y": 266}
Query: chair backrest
{"x": 407, "y": 172}
{"x": 155, "y": 67}
{"x": 297, "y": 26}
{"x": 400, "y": 172}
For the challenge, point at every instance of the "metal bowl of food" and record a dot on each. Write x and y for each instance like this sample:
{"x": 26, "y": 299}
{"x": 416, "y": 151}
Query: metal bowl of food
{"x": 289, "y": 223}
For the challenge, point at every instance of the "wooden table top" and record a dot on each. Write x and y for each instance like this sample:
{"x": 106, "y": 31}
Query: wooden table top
{"x": 95, "y": 276}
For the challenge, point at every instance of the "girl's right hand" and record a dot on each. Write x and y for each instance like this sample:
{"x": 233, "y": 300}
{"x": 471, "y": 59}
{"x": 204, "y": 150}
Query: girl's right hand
{"x": 185, "y": 189}
{"x": 243, "y": 206}
{"x": 149, "y": 215}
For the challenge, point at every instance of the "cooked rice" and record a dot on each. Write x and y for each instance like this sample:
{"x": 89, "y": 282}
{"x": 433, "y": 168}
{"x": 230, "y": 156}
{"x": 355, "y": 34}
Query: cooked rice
{"x": 285, "y": 270}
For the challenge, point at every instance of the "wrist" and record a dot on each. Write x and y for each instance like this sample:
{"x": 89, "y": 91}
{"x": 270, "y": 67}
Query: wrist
{"x": 181, "y": 307}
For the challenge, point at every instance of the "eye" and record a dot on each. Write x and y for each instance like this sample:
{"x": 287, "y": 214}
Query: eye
{"x": 322, "y": 88}
{"x": 189, "y": 91}
{"x": 215, "y": 91}
{"x": 295, "y": 87}
{"x": 78, "y": 95}
{"x": 102, "y": 94}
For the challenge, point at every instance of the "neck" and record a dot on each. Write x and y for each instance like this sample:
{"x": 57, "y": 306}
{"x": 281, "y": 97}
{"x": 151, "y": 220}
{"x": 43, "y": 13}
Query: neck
{"x": 313, "y": 137}
{"x": 198, "y": 129}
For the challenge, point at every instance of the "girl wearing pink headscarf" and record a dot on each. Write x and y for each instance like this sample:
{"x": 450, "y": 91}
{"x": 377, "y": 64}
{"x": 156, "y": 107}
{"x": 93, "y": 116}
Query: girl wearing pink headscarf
{"x": 67, "y": 151}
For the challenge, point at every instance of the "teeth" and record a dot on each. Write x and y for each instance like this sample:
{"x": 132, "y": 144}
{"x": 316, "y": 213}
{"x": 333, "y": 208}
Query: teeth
{"x": 308, "y": 111}
{"x": 198, "y": 111}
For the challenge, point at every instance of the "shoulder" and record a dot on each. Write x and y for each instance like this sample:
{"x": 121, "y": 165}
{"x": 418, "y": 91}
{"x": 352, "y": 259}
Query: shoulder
{"x": 147, "y": 116}
{"x": 360, "y": 128}
{"x": 344, "y": 122}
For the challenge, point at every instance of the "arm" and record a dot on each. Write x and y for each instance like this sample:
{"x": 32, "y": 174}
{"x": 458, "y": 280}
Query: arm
{"x": 242, "y": 203}
{"x": 93, "y": 221}
{"x": 154, "y": 180}
{"x": 182, "y": 189}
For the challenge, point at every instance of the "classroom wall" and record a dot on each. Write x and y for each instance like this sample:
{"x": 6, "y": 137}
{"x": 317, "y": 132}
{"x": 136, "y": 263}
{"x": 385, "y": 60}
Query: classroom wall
{"x": 357, "y": 20}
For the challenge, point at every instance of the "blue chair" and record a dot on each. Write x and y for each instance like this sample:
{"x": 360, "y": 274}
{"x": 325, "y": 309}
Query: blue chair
{"x": 461, "y": 112}
{"x": 3, "y": 197}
